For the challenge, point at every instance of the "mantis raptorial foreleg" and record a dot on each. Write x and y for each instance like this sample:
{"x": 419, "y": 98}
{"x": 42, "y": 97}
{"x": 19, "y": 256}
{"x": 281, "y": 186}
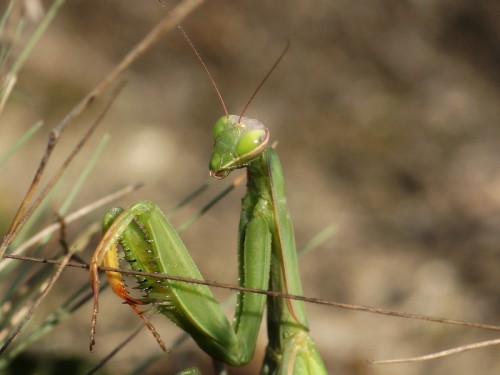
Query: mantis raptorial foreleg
{"x": 155, "y": 247}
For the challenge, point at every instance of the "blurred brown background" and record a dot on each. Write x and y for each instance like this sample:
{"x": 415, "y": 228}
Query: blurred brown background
{"x": 387, "y": 115}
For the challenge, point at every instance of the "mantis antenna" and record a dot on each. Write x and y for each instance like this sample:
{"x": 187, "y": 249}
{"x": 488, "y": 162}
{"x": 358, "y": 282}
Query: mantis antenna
{"x": 212, "y": 81}
{"x": 214, "y": 85}
{"x": 264, "y": 80}
{"x": 198, "y": 56}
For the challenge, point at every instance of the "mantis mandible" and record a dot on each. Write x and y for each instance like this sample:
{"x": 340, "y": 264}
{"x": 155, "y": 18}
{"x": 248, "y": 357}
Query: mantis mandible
{"x": 267, "y": 259}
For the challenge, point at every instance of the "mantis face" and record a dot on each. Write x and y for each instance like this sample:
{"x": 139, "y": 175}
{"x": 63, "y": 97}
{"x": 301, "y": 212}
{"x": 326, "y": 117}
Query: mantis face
{"x": 236, "y": 144}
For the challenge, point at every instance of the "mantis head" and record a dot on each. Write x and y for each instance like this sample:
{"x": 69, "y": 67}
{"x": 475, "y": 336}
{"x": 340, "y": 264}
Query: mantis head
{"x": 238, "y": 141}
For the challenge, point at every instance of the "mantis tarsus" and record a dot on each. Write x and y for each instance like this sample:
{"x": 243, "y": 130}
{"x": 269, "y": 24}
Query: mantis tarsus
{"x": 267, "y": 259}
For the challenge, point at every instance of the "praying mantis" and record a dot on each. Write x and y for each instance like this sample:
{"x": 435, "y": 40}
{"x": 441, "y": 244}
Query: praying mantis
{"x": 267, "y": 260}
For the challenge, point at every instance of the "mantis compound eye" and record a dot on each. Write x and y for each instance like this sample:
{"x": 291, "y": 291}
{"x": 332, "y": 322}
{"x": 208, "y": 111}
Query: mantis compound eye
{"x": 220, "y": 125}
{"x": 249, "y": 141}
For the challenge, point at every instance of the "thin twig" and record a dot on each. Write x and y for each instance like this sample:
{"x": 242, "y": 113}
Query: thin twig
{"x": 444, "y": 353}
{"x": 319, "y": 301}
{"x": 73, "y": 217}
{"x": 164, "y": 26}
{"x": 80, "y": 244}
{"x": 7, "y": 86}
{"x": 19, "y": 221}
{"x": 113, "y": 352}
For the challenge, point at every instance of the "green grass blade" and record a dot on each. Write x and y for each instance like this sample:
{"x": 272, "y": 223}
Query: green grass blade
{"x": 37, "y": 34}
{"x": 209, "y": 205}
{"x": 21, "y": 141}
{"x": 318, "y": 239}
{"x": 191, "y": 196}
{"x": 6, "y": 15}
{"x": 83, "y": 176}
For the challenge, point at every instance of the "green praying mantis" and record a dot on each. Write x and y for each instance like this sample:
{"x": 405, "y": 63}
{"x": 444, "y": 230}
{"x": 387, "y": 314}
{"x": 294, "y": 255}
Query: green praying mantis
{"x": 267, "y": 260}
